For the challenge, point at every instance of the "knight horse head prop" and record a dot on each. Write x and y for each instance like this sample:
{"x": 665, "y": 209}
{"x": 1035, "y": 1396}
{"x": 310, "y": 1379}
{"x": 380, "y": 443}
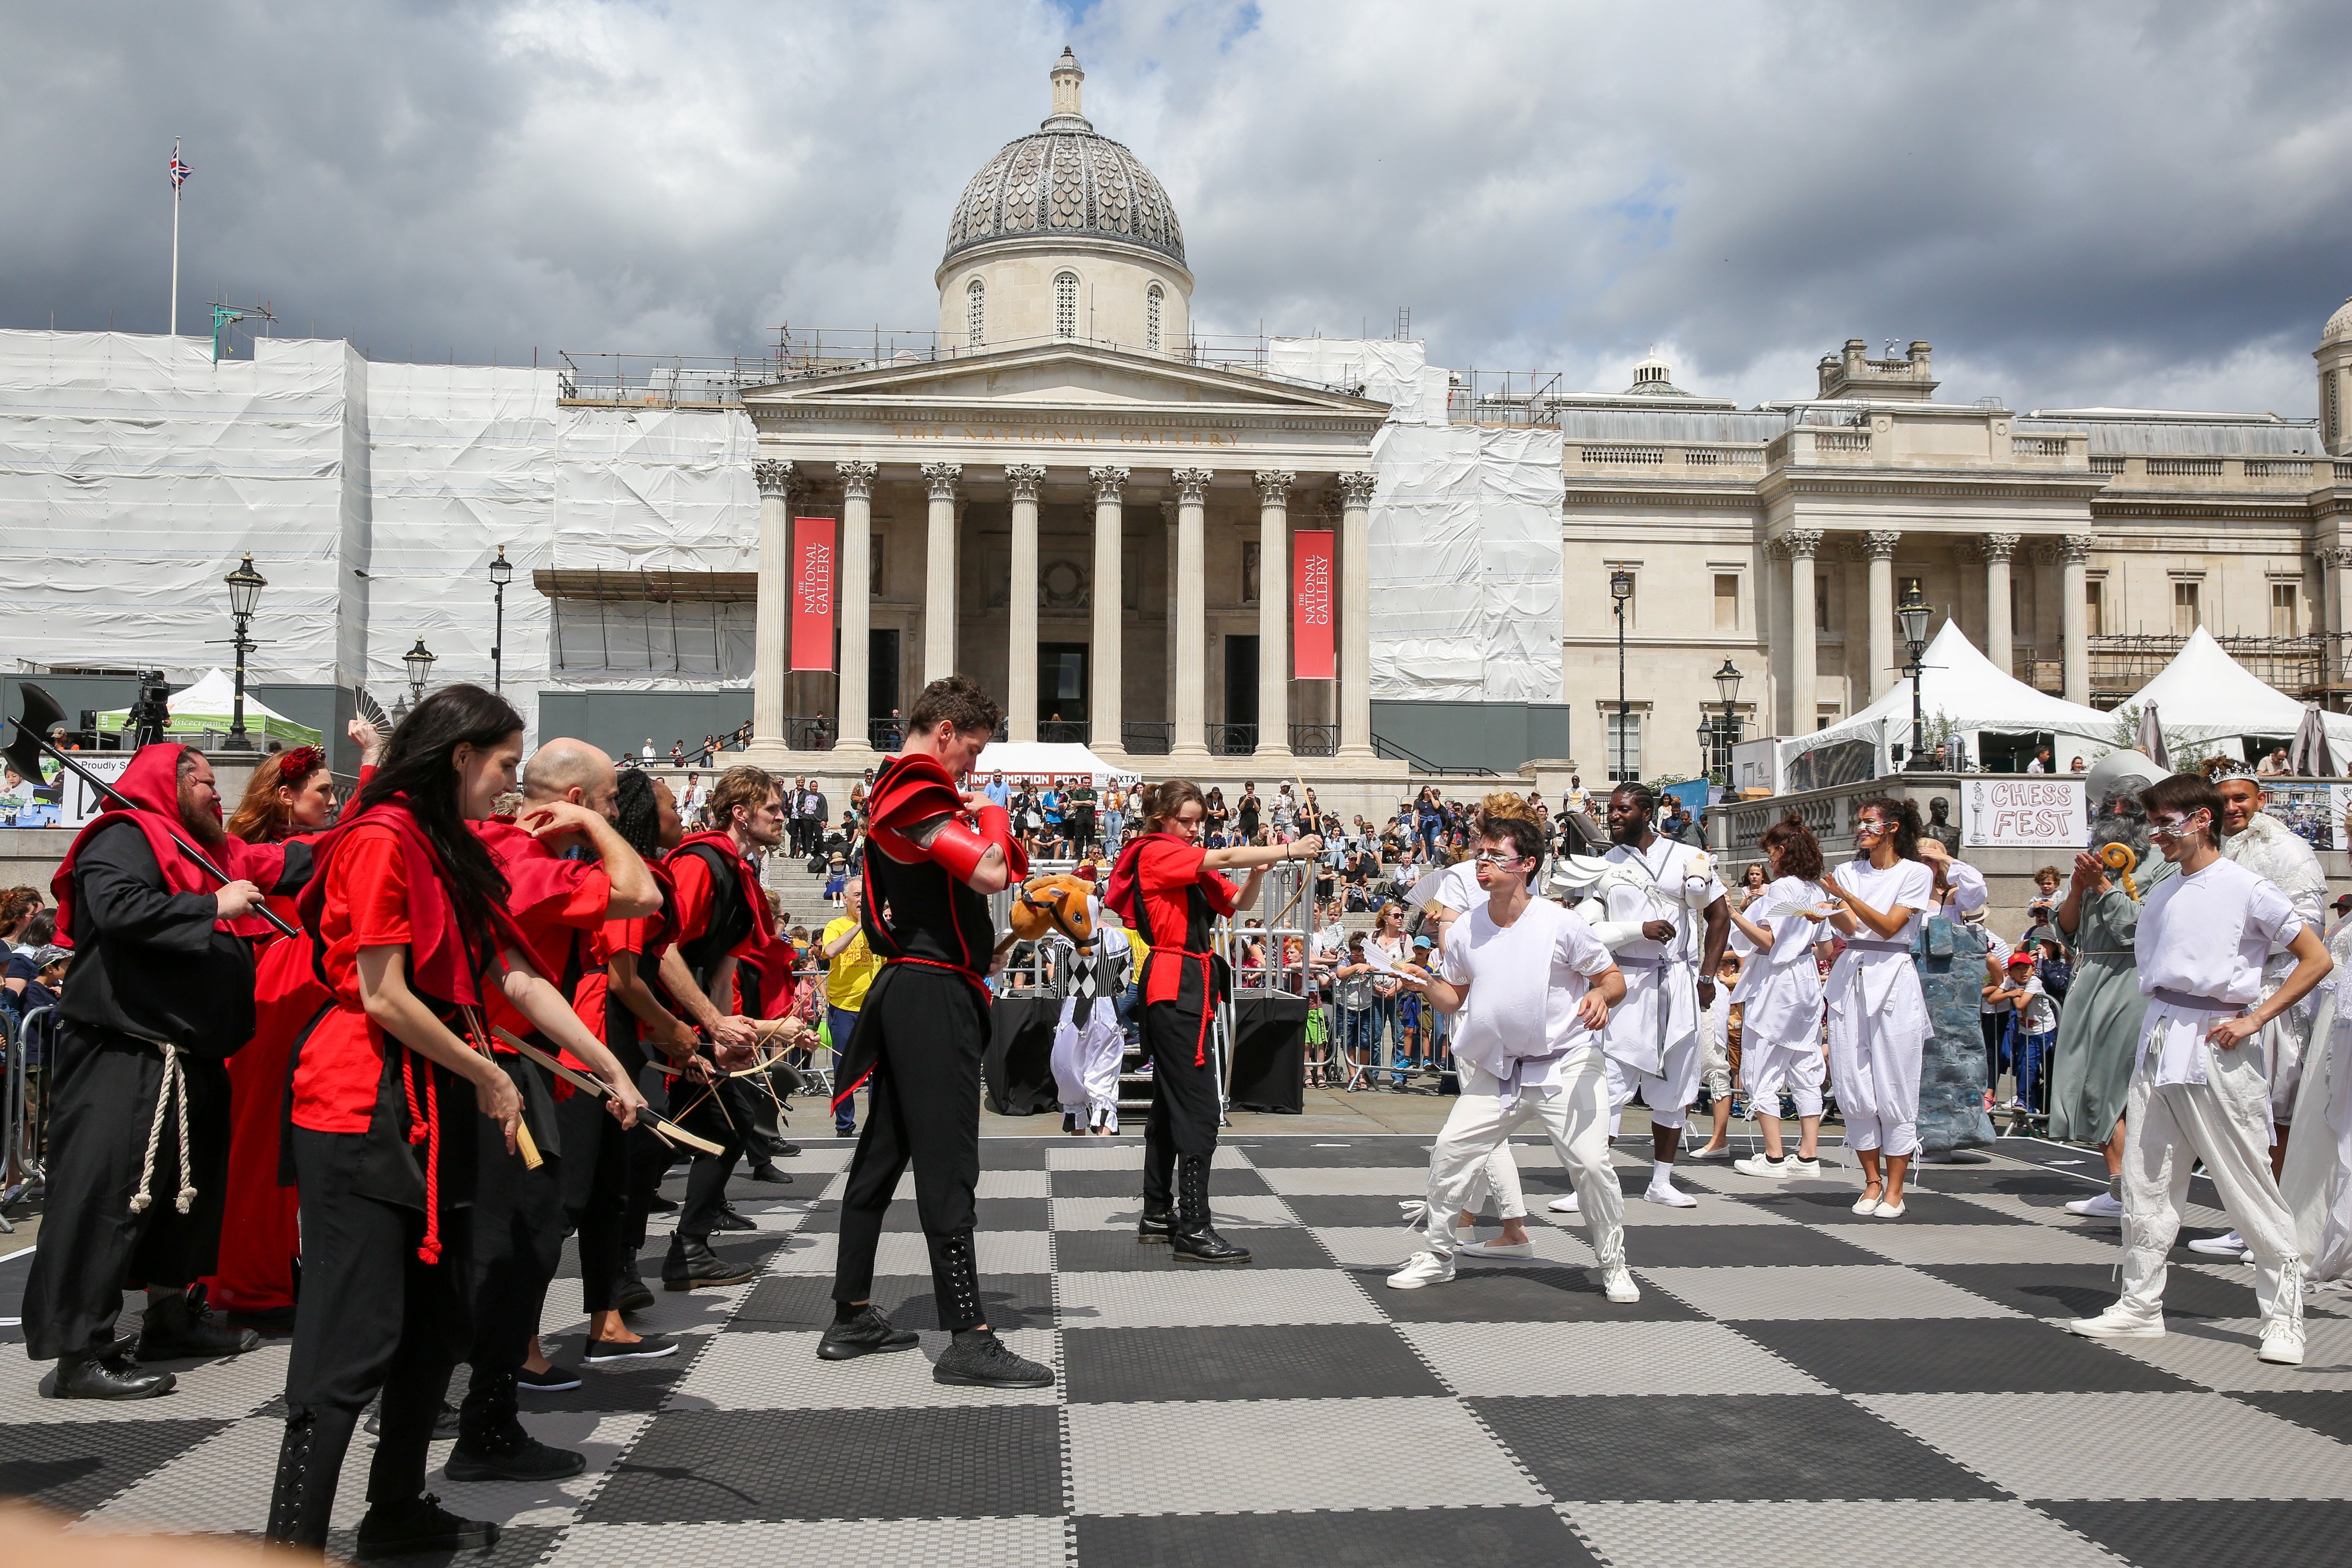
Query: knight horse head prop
{"x": 1057, "y": 903}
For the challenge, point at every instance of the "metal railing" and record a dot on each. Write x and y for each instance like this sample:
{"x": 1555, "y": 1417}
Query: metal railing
{"x": 1146, "y": 738}
{"x": 809, "y": 732}
{"x": 1313, "y": 739}
{"x": 23, "y": 1110}
{"x": 885, "y": 735}
{"x": 1233, "y": 739}
{"x": 1064, "y": 731}
{"x": 1419, "y": 764}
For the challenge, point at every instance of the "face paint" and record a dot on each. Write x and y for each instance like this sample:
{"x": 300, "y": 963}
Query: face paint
{"x": 2174, "y": 825}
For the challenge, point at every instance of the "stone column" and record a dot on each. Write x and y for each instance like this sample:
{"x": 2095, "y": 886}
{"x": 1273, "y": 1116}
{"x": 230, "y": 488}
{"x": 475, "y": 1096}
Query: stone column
{"x": 2001, "y": 636}
{"x": 1021, "y": 602}
{"x": 1168, "y": 532}
{"x": 1804, "y": 682}
{"x": 1355, "y": 628}
{"x": 2074, "y": 616}
{"x": 854, "y": 590}
{"x": 1107, "y": 714}
{"x": 940, "y": 573}
{"x": 1191, "y": 672}
{"x": 770, "y": 620}
{"x": 2340, "y": 561}
{"x": 1772, "y": 607}
{"x": 1878, "y": 549}
{"x": 1274, "y": 615}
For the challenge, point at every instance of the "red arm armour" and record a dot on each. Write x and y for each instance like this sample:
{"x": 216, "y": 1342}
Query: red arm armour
{"x": 915, "y": 791}
{"x": 959, "y": 847}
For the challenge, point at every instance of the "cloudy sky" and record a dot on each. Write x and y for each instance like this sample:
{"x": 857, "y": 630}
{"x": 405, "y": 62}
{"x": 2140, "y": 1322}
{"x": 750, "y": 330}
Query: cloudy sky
{"x": 2076, "y": 204}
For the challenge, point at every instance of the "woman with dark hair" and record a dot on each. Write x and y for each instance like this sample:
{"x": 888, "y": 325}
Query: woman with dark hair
{"x": 1752, "y": 882}
{"x": 409, "y": 935}
{"x": 1878, "y": 1013}
{"x": 1779, "y": 993}
{"x": 1167, "y": 887}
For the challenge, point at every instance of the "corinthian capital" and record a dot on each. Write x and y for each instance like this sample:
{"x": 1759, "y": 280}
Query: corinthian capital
{"x": 1024, "y": 479}
{"x": 942, "y": 477}
{"x": 1880, "y": 545}
{"x": 1356, "y": 489}
{"x": 1192, "y": 484}
{"x": 1110, "y": 484}
{"x": 856, "y": 479}
{"x": 1803, "y": 543}
{"x": 1998, "y": 547}
{"x": 773, "y": 476}
{"x": 2074, "y": 549}
{"x": 1273, "y": 486}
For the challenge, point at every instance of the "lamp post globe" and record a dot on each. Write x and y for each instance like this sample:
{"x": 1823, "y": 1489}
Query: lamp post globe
{"x": 245, "y": 586}
{"x": 420, "y": 661}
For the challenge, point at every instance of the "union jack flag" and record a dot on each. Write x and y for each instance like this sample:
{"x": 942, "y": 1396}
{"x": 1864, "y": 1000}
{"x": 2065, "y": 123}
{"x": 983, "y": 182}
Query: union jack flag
{"x": 180, "y": 170}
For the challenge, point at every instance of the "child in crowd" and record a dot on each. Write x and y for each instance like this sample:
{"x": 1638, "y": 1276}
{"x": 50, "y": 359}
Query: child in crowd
{"x": 2033, "y": 1025}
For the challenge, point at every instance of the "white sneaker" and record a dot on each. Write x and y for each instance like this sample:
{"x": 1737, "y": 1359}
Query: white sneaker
{"x": 1617, "y": 1284}
{"x": 1422, "y": 1268}
{"x": 1565, "y": 1205}
{"x": 2282, "y": 1343}
{"x": 1671, "y": 1195}
{"x": 2118, "y": 1323}
{"x": 1765, "y": 1166}
{"x": 1499, "y": 1248}
{"x": 2225, "y": 1245}
{"x": 1800, "y": 1167}
{"x": 2105, "y": 1206}
{"x": 1722, "y": 1151}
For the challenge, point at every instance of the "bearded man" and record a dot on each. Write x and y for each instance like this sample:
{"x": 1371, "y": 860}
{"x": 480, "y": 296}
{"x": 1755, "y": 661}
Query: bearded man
{"x": 159, "y": 997}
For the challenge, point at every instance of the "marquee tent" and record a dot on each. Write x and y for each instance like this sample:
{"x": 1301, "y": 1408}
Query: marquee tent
{"x": 1038, "y": 762}
{"x": 1958, "y": 684}
{"x": 209, "y": 707}
{"x": 2206, "y": 695}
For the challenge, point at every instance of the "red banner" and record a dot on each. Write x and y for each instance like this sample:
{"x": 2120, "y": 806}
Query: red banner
{"x": 1311, "y": 560}
{"x": 813, "y": 579}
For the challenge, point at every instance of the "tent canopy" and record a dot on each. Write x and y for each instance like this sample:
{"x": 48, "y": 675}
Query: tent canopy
{"x": 210, "y": 705}
{"x": 2205, "y": 696}
{"x": 1040, "y": 762}
{"x": 1958, "y": 682}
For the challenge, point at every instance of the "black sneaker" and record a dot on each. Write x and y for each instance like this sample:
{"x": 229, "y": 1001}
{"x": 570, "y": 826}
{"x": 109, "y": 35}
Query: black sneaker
{"x": 182, "y": 1325}
{"x": 517, "y": 1456}
{"x": 863, "y": 1334}
{"x": 420, "y": 1525}
{"x": 555, "y": 1380}
{"x": 648, "y": 1347}
{"x": 774, "y": 1176}
{"x": 784, "y": 1150}
{"x": 693, "y": 1266}
{"x": 984, "y": 1361}
{"x": 657, "y": 1203}
{"x": 730, "y": 1220}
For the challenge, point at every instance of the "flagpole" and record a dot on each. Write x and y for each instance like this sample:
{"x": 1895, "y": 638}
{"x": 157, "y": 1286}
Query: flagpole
{"x": 175, "y": 238}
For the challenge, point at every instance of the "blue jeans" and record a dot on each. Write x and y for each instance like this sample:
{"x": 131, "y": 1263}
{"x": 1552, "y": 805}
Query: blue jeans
{"x": 1356, "y": 1033}
{"x": 840, "y": 1023}
{"x": 2027, "y": 1052}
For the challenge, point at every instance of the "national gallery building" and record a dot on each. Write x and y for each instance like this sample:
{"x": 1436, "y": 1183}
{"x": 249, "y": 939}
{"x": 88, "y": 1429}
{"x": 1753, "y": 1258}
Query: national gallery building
{"x": 1297, "y": 557}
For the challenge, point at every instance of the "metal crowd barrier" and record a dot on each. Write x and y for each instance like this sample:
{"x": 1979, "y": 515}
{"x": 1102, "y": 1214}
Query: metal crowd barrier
{"x": 24, "y": 1133}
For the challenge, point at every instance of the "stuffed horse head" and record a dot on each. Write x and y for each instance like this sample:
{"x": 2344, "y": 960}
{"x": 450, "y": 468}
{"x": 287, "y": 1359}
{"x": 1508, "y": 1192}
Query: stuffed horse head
{"x": 1054, "y": 903}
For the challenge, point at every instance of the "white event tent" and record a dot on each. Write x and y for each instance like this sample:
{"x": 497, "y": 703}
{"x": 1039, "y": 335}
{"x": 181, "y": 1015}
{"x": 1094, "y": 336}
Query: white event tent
{"x": 2205, "y": 696}
{"x": 1958, "y": 684}
{"x": 1042, "y": 762}
{"x": 208, "y": 706}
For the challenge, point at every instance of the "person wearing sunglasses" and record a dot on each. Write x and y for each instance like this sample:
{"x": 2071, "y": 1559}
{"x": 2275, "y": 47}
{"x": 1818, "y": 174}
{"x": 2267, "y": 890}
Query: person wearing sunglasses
{"x": 1878, "y": 1026}
{"x": 2199, "y": 1086}
{"x": 1530, "y": 1046}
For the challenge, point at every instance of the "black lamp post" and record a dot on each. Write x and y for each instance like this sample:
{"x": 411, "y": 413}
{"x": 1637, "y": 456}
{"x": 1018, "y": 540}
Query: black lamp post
{"x": 1912, "y": 614}
{"x": 245, "y": 586}
{"x": 502, "y": 573}
{"x": 1726, "y": 688}
{"x": 1621, "y": 589}
{"x": 419, "y": 660}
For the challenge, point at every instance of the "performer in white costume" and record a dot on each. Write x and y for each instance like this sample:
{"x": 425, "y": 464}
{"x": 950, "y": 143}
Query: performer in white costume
{"x": 1529, "y": 1045}
{"x": 2198, "y": 1089}
{"x": 1089, "y": 1048}
{"x": 1660, "y": 911}
{"x": 1780, "y": 1001}
{"x": 2317, "y": 1182}
{"x": 1878, "y": 1014}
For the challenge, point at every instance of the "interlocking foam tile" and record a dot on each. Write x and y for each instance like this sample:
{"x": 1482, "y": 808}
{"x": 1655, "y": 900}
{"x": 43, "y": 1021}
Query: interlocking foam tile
{"x": 1602, "y": 1358}
{"x": 2329, "y": 1414}
{"x": 2157, "y": 1445}
{"x": 1128, "y": 1183}
{"x": 1955, "y": 1355}
{"x": 613, "y": 1386}
{"x": 2219, "y": 1353}
{"x": 1396, "y": 1181}
{"x": 1287, "y": 1361}
{"x": 1406, "y": 1154}
{"x": 2173, "y": 1534}
{"x": 1745, "y": 1247}
{"x": 1247, "y": 1294}
{"x": 1930, "y": 1244}
{"x": 781, "y": 1372}
{"x": 75, "y": 1466}
{"x": 1517, "y": 1293}
{"x": 1396, "y": 1538}
{"x": 1225, "y": 1210}
{"x": 1269, "y": 1247}
{"x": 1035, "y": 1543}
{"x": 1880, "y": 1291}
{"x": 1955, "y": 1531}
{"x": 2085, "y": 1289}
{"x": 219, "y": 1390}
{"x": 1013, "y": 1183}
{"x": 794, "y": 1302}
{"x": 906, "y": 1252}
{"x": 990, "y": 1215}
{"x": 1126, "y": 1155}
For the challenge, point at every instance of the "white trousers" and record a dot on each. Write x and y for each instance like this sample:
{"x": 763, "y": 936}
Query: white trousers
{"x": 1089, "y": 1051}
{"x": 1577, "y": 1119}
{"x": 1668, "y": 1095}
{"x": 1765, "y": 1070}
{"x": 2226, "y": 1122}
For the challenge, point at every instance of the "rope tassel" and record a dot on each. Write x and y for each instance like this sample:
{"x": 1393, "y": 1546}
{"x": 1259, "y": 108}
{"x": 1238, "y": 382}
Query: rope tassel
{"x": 175, "y": 1078}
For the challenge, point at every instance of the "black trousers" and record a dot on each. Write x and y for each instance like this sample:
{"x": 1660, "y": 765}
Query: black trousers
{"x": 517, "y": 1243}
{"x": 756, "y": 1119}
{"x": 102, "y": 1089}
{"x": 710, "y": 1114}
{"x": 372, "y": 1314}
{"x": 1185, "y": 1098}
{"x": 929, "y": 1028}
{"x": 594, "y": 1179}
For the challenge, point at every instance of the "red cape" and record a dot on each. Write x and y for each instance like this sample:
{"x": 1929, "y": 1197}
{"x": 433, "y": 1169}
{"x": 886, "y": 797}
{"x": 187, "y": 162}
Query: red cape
{"x": 763, "y": 920}
{"x": 439, "y": 963}
{"x": 1124, "y": 887}
{"x": 152, "y": 783}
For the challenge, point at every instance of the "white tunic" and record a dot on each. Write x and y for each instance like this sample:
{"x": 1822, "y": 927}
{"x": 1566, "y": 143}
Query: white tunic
{"x": 2203, "y": 939}
{"x": 2273, "y": 851}
{"x": 1779, "y": 991}
{"x": 1521, "y": 1026}
{"x": 1669, "y": 881}
{"x": 1878, "y": 1015}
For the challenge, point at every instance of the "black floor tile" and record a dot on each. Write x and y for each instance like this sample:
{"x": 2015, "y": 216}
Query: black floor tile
{"x": 619, "y": 1386}
{"x": 944, "y": 1463}
{"x": 1270, "y": 1246}
{"x": 800, "y": 1302}
{"x": 1485, "y": 1293}
{"x": 1834, "y": 1206}
{"x": 1957, "y": 1355}
{"x": 1285, "y": 1360}
{"x": 1005, "y": 1154}
{"x": 2028, "y": 1184}
{"x": 1758, "y": 1447}
{"x": 2086, "y": 1289}
{"x": 999, "y": 1214}
{"x": 1130, "y": 1184}
{"x": 1490, "y": 1537}
{"x": 2325, "y": 1411}
{"x": 1742, "y": 1246}
{"x": 518, "y": 1547}
{"x": 1312, "y": 1153}
{"x": 74, "y": 1466}
{"x": 2163, "y": 1535}
{"x": 1353, "y": 1210}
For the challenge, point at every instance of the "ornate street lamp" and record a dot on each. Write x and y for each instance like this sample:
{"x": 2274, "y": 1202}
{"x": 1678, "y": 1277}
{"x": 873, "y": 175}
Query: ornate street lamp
{"x": 1726, "y": 688}
{"x": 419, "y": 660}
{"x": 502, "y": 573}
{"x": 245, "y": 586}
{"x": 1620, "y": 590}
{"x": 1912, "y": 615}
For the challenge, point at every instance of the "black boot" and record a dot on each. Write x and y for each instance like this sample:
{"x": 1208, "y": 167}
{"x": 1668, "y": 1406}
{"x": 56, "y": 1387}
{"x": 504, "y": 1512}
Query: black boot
{"x": 728, "y": 1218}
{"x": 112, "y": 1374}
{"x": 1157, "y": 1225}
{"x": 420, "y": 1525}
{"x": 693, "y": 1266}
{"x": 177, "y": 1324}
{"x": 629, "y": 1294}
{"x": 863, "y": 1334}
{"x": 310, "y": 1459}
{"x": 1195, "y": 1240}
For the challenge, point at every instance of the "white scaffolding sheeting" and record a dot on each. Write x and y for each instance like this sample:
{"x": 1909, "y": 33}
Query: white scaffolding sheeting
{"x": 134, "y": 473}
{"x": 1466, "y": 533}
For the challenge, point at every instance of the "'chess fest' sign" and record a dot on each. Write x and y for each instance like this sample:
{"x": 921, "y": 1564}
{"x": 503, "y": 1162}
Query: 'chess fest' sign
{"x": 2029, "y": 813}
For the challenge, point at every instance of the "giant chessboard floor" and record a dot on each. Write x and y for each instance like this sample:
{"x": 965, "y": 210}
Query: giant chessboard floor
{"x": 1796, "y": 1382}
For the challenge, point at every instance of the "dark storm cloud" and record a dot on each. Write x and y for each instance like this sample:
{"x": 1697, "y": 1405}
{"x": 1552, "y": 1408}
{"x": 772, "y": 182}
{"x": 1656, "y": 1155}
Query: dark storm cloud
{"x": 2074, "y": 203}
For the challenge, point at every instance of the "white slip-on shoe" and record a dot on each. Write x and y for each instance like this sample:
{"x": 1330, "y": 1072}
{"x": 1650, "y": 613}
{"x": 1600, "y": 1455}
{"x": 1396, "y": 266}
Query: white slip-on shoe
{"x": 2281, "y": 1343}
{"x": 1617, "y": 1284}
{"x": 1672, "y": 1197}
{"x": 1866, "y": 1204}
{"x": 1763, "y": 1165}
{"x": 1422, "y": 1268}
{"x": 2118, "y": 1323}
{"x": 2099, "y": 1206}
{"x": 1565, "y": 1205}
{"x": 1887, "y": 1210}
{"x": 2227, "y": 1245}
{"x": 1499, "y": 1248}
{"x": 1722, "y": 1151}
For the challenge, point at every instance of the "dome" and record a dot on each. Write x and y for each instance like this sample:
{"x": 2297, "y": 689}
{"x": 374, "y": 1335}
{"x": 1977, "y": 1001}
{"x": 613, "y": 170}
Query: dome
{"x": 1066, "y": 181}
{"x": 1653, "y": 378}
{"x": 2339, "y": 326}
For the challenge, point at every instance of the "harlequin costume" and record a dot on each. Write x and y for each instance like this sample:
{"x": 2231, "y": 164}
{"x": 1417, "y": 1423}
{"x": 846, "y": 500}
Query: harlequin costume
{"x": 1160, "y": 887}
{"x": 160, "y": 995}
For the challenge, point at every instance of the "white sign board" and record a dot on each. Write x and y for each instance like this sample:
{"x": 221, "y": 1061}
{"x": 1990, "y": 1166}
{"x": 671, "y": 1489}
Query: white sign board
{"x": 2029, "y": 813}
{"x": 62, "y": 800}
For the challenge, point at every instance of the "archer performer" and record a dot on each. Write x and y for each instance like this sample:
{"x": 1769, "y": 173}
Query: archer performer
{"x": 160, "y": 995}
{"x": 410, "y": 935}
{"x": 934, "y": 853}
{"x": 1168, "y": 888}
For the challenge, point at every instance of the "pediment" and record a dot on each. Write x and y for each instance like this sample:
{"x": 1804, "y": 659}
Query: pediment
{"x": 1064, "y": 376}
